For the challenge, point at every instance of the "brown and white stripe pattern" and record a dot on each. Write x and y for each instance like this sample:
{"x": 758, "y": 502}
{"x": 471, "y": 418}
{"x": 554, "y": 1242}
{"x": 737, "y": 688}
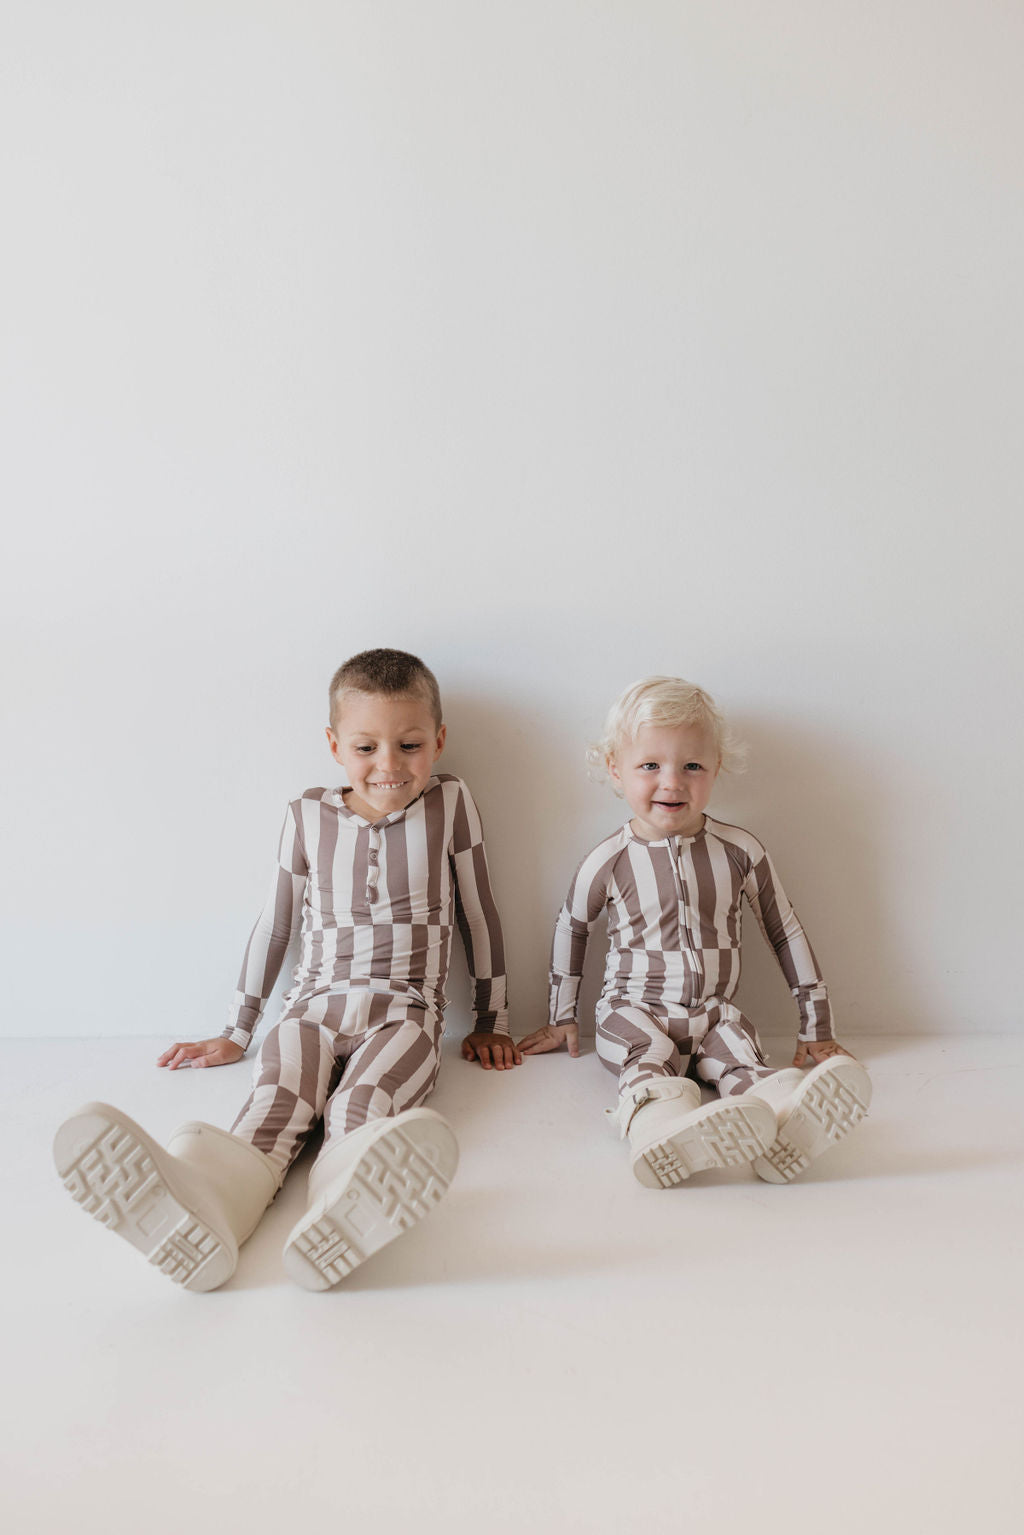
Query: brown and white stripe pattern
{"x": 674, "y": 925}
{"x": 377, "y": 902}
{"x": 349, "y": 1056}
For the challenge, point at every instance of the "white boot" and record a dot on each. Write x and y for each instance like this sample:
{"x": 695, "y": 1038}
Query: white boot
{"x": 187, "y": 1208}
{"x": 672, "y": 1136}
{"x": 814, "y": 1109}
{"x": 366, "y": 1190}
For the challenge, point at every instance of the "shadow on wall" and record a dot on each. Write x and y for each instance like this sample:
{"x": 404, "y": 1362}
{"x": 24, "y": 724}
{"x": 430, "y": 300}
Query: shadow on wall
{"x": 523, "y": 758}
{"x": 812, "y": 798}
{"x": 818, "y": 802}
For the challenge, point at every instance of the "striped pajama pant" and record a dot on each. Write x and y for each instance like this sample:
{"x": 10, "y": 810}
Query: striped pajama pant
{"x": 347, "y": 1057}
{"x": 714, "y": 1042}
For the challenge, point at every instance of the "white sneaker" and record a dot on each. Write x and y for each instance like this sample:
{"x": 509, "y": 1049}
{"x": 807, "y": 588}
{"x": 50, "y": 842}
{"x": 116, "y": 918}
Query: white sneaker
{"x": 369, "y": 1188}
{"x": 814, "y": 1109}
{"x": 672, "y": 1136}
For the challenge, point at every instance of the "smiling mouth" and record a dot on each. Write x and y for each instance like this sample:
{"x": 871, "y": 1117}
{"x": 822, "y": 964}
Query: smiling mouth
{"x": 399, "y": 784}
{"x": 670, "y": 804}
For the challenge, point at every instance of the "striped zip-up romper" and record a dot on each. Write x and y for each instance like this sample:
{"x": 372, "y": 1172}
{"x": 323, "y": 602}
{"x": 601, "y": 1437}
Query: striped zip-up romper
{"x": 673, "y": 965}
{"x": 376, "y": 904}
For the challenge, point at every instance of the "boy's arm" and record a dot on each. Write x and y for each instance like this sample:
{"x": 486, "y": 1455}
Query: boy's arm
{"x": 264, "y": 955}
{"x": 782, "y": 928}
{"x": 480, "y": 925}
{"x": 269, "y": 939}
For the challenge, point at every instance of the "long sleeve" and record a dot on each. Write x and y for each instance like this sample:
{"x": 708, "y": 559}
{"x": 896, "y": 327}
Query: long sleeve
{"x": 478, "y": 920}
{"x": 782, "y": 928}
{"x": 269, "y": 940}
{"x": 586, "y": 900}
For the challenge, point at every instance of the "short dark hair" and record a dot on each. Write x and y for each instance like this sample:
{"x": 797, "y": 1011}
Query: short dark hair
{"x": 386, "y": 671}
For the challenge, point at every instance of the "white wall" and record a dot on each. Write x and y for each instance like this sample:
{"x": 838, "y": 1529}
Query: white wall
{"x": 560, "y": 343}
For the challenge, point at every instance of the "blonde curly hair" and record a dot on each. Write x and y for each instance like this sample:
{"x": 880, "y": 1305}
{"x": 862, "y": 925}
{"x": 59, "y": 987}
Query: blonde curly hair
{"x": 666, "y": 701}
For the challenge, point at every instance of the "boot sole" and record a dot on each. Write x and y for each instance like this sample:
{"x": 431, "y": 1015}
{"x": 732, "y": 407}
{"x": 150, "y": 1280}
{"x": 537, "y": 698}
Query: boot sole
{"x": 400, "y": 1178}
{"x": 829, "y": 1106}
{"x": 718, "y": 1135}
{"x": 126, "y": 1181}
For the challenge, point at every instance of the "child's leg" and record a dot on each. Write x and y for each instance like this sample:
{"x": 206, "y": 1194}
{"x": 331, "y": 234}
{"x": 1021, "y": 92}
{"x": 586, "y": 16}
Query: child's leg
{"x": 392, "y": 1063}
{"x": 671, "y": 1135}
{"x": 296, "y": 1068}
{"x": 187, "y": 1207}
{"x": 635, "y": 1043}
{"x": 730, "y": 1056}
{"x": 813, "y": 1110}
{"x": 386, "y": 1161}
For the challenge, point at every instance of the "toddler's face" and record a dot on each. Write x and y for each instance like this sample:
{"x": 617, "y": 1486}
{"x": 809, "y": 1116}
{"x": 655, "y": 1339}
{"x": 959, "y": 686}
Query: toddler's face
{"x": 388, "y": 744}
{"x": 666, "y": 773}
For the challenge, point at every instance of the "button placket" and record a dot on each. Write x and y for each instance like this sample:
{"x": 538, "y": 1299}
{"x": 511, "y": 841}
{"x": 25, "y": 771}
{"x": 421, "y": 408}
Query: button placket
{"x": 372, "y": 868}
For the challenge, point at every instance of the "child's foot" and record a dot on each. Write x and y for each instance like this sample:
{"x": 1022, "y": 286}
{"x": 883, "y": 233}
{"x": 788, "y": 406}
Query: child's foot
{"x": 672, "y": 1137}
{"x": 814, "y": 1109}
{"x": 366, "y": 1190}
{"x": 185, "y": 1208}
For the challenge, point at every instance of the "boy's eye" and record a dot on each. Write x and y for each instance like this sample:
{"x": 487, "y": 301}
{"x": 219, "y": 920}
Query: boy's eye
{"x": 411, "y": 746}
{"x": 364, "y": 748}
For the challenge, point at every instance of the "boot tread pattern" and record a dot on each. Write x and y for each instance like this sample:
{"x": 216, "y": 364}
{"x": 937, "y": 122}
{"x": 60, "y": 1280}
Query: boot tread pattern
{"x": 400, "y": 1180}
{"x": 394, "y": 1185}
{"x": 833, "y": 1108}
{"x": 324, "y": 1246}
{"x": 724, "y": 1141}
{"x": 116, "y": 1182}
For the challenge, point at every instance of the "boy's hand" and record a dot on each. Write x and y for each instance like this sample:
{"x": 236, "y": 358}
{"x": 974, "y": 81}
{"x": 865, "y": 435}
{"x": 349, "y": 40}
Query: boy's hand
{"x": 206, "y": 1052}
{"x": 552, "y": 1037}
{"x": 491, "y": 1049}
{"x": 818, "y": 1050}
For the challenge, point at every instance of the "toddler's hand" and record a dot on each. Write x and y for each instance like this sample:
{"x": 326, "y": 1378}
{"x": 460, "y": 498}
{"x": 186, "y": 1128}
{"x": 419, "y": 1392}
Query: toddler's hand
{"x": 818, "y": 1050}
{"x": 205, "y": 1052}
{"x": 491, "y": 1049}
{"x": 552, "y": 1037}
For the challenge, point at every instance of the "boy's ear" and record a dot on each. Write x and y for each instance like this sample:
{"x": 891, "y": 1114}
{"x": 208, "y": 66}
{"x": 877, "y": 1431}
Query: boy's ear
{"x": 439, "y": 745}
{"x": 332, "y": 741}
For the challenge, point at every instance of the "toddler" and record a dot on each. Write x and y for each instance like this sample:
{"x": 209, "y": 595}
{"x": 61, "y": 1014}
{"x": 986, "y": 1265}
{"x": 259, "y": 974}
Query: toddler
{"x": 375, "y": 876}
{"x": 670, "y": 883}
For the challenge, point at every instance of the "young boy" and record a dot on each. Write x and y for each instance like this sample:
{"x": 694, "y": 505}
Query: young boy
{"x": 375, "y": 876}
{"x": 671, "y": 881}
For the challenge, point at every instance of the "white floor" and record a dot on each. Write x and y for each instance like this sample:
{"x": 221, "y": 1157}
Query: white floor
{"x": 556, "y": 1349}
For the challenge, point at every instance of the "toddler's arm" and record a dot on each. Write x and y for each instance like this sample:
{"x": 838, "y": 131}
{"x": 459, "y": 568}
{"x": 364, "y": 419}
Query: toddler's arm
{"x": 204, "y": 1052}
{"x": 586, "y": 900}
{"x": 784, "y": 931}
{"x": 552, "y": 1037}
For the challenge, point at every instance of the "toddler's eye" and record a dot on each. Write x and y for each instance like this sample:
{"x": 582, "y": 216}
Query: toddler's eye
{"x": 649, "y": 767}
{"x": 694, "y": 767}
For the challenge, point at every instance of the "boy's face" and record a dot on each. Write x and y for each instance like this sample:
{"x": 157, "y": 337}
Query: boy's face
{"x": 388, "y": 744}
{"x": 666, "y": 773}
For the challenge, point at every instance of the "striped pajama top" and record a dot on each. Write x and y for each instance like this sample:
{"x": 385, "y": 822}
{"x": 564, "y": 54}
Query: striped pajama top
{"x": 376, "y": 904}
{"x": 674, "y": 918}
